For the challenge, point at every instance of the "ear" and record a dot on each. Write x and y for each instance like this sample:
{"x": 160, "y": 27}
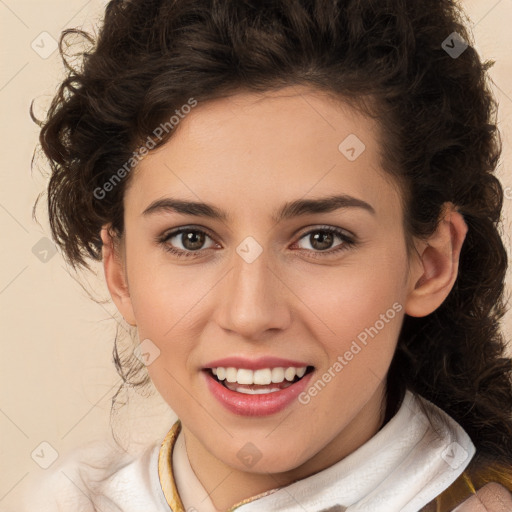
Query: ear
{"x": 115, "y": 276}
{"x": 434, "y": 271}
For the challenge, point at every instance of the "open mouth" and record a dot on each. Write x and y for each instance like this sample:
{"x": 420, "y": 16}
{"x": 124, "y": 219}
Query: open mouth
{"x": 254, "y": 382}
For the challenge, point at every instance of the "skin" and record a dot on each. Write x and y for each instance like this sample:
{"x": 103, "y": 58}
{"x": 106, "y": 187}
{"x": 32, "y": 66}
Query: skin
{"x": 249, "y": 154}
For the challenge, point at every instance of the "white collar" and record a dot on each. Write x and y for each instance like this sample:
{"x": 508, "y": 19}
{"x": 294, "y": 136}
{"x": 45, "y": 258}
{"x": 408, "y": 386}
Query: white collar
{"x": 401, "y": 468}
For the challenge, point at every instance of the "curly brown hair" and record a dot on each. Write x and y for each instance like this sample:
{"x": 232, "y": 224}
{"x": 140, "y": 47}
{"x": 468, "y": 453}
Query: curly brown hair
{"x": 439, "y": 140}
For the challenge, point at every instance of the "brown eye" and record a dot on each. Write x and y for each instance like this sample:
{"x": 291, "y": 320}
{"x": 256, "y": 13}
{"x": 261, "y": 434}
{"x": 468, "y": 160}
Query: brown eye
{"x": 192, "y": 240}
{"x": 186, "y": 241}
{"x": 323, "y": 239}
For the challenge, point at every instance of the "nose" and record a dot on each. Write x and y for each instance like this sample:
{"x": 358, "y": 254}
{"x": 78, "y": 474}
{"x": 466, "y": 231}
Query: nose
{"x": 253, "y": 299}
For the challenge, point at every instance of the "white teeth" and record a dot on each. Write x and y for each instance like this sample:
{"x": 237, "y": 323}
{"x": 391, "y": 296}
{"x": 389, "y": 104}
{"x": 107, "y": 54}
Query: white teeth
{"x": 289, "y": 374}
{"x": 262, "y": 377}
{"x": 231, "y": 374}
{"x": 277, "y": 375}
{"x": 245, "y": 376}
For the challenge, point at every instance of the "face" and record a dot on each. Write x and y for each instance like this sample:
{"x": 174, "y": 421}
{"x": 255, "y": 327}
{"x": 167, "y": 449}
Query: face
{"x": 297, "y": 261}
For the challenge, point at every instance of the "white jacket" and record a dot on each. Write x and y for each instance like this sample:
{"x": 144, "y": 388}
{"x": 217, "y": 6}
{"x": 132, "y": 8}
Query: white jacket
{"x": 400, "y": 469}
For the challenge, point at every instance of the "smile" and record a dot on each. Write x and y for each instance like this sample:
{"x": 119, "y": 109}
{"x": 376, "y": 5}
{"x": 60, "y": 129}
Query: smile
{"x": 263, "y": 380}
{"x": 257, "y": 392}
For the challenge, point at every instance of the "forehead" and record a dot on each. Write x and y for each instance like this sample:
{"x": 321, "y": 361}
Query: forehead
{"x": 265, "y": 149}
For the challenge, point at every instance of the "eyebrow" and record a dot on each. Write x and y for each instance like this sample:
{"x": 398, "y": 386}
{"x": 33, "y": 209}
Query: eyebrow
{"x": 289, "y": 210}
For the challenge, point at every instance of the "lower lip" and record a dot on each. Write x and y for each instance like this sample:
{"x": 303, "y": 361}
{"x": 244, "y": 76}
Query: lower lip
{"x": 256, "y": 405}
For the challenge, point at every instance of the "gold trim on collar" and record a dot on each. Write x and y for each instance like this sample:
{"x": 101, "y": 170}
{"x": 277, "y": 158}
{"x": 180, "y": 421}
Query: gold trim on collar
{"x": 165, "y": 473}
{"x": 249, "y": 500}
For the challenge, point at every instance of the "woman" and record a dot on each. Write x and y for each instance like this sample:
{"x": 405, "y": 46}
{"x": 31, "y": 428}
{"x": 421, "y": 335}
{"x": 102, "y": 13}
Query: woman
{"x": 295, "y": 206}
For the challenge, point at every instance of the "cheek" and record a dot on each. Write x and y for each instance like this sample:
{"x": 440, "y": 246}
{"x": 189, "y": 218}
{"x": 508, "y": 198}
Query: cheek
{"x": 166, "y": 307}
{"x": 163, "y": 295}
{"x": 358, "y": 311}
{"x": 352, "y": 298}
{"x": 166, "y": 302}
{"x": 361, "y": 315}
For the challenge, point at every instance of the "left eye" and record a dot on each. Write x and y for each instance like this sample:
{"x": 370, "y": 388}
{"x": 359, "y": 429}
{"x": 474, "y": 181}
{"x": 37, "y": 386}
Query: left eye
{"x": 322, "y": 239}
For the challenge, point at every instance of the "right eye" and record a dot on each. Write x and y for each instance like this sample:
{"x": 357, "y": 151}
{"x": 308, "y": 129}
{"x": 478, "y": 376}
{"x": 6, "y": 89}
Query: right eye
{"x": 189, "y": 241}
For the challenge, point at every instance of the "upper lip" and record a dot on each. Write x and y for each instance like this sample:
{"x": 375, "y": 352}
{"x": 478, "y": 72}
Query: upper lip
{"x": 254, "y": 364}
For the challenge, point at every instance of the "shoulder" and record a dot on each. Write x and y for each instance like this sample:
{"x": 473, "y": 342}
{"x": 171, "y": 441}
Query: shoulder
{"x": 484, "y": 487}
{"x": 492, "y": 497}
{"x": 89, "y": 478}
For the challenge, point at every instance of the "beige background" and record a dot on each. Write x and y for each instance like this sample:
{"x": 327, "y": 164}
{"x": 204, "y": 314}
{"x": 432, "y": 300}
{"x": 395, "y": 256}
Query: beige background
{"x": 56, "y": 375}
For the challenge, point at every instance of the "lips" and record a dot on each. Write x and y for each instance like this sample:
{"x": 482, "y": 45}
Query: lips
{"x": 256, "y": 387}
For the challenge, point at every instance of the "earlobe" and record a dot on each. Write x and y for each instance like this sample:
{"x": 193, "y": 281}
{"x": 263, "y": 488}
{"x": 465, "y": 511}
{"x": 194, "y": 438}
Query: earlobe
{"x": 115, "y": 277}
{"x": 434, "y": 272}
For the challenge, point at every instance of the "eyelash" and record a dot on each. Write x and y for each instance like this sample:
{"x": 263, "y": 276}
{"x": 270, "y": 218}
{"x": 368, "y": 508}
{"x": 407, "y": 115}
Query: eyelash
{"x": 347, "y": 241}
